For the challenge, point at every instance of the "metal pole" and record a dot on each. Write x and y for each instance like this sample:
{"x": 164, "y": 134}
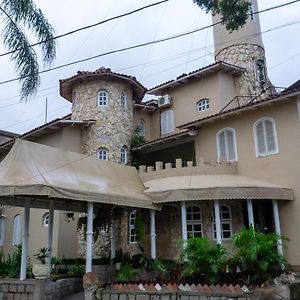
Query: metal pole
{"x": 218, "y": 221}
{"x": 50, "y": 230}
{"x": 89, "y": 239}
{"x": 152, "y": 234}
{"x": 183, "y": 221}
{"x": 25, "y": 240}
{"x": 250, "y": 212}
{"x": 277, "y": 224}
{"x": 46, "y": 111}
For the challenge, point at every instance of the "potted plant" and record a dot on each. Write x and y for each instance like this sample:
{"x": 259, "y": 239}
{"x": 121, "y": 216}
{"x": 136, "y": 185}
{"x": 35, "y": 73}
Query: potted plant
{"x": 42, "y": 269}
{"x": 118, "y": 259}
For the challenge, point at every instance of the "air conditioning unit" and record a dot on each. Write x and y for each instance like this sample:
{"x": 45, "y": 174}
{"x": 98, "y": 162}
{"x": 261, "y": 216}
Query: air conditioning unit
{"x": 164, "y": 101}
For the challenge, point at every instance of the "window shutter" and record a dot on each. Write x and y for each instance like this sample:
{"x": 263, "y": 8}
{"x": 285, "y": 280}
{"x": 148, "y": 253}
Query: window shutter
{"x": 270, "y": 136}
{"x": 222, "y": 146}
{"x": 231, "y": 155}
{"x": 261, "y": 147}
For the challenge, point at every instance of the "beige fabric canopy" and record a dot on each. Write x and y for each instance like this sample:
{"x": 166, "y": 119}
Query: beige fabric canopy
{"x": 39, "y": 172}
{"x": 213, "y": 187}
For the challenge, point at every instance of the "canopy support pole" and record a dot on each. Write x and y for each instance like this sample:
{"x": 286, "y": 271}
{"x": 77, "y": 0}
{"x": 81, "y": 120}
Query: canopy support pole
{"x": 250, "y": 213}
{"x": 277, "y": 224}
{"x": 183, "y": 221}
{"x": 218, "y": 221}
{"x": 50, "y": 231}
{"x": 152, "y": 234}
{"x": 89, "y": 238}
{"x": 25, "y": 240}
{"x": 112, "y": 240}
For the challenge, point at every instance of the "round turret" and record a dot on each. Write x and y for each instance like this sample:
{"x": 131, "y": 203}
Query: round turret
{"x": 244, "y": 48}
{"x": 107, "y": 98}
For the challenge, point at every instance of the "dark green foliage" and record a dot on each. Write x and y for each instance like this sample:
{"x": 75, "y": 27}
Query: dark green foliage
{"x": 257, "y": 255}
{"x": 127, "y": 273}
{"x": 202, "y": 258}
{"x": 10, "y": 265}
{"x": 77, "y": 271}
{"x": 43, "y": 254}
{"x": 122, "y": 257}
{"x": 234, "y": 13}
{"x": 137, "y": 139}
{"x": 55, "y": 260}
{"x": 17, "y": 15}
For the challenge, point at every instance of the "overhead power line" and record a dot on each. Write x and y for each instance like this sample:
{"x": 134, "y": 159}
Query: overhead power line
{"x": 90, "y": 26}
{"x": 141, "y": 45}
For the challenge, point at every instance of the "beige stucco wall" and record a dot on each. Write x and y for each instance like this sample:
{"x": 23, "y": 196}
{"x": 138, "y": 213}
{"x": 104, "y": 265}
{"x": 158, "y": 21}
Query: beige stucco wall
{"x": 64, "y": 234}
{"x": 218, "y": 88}
{"x": 282, "y": 169}
{"x": 147, "y": 117}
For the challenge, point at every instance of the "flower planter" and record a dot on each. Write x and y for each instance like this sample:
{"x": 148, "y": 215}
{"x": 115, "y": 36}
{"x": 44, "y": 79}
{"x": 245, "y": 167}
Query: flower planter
{"x": 118, "y": 266}
{"x": 41, "y": 271}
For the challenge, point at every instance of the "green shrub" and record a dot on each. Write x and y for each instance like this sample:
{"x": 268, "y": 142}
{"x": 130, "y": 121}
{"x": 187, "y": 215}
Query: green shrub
{"x": 257, "y": 255}
{"x": 76, "y": 271}
{"x": 201, "y": 258}
{"x": 127, "y": 273}
{"x": 10, "y": 265}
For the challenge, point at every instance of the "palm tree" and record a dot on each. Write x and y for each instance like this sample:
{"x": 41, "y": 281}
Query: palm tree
{"x": 17, "y": 15}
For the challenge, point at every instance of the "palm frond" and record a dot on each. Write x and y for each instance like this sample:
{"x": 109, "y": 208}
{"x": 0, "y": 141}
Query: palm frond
{"x": 25, "y": 57}
{"x": 26, "y": 12}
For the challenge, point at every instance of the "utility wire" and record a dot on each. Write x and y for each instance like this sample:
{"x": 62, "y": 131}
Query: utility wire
{"x": 90, "y": 26}
{"x": 140, "y": 45}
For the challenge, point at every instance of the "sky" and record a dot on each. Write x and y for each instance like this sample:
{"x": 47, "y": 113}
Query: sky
{"x": 153, "y": 64}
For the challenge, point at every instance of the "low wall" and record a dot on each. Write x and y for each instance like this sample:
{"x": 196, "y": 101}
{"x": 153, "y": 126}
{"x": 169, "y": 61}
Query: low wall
{"x": 38, "y": 289}
{"x": 105, "y": 273}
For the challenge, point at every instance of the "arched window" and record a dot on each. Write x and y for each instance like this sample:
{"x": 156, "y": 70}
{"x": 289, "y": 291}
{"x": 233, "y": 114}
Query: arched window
{"x": 194, "y": 221}
{"x": 124, "y": 155}
{"x": 124, "y": 99}
{"x": 226, "y": 145}
{"x": 203, "y": 104}
{"x": 46, "y": 220}
{"x": 142, "y": 127}
{"x": 226, "y": 222}
{"x": 17, "y": 230}
{"x": 102, "y": 98}
{"x": 102, "y": 154}
{"x": 265, "y": 138}
{"x": 167, "y": 121}
{"x": 2, "y": 230}
{"x": 131, "y": 225}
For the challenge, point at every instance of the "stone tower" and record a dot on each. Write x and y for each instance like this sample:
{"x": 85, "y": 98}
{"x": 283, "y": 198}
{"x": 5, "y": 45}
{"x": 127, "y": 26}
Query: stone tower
{"x": 107, "y": 98}
{"x": 244, "y": 48}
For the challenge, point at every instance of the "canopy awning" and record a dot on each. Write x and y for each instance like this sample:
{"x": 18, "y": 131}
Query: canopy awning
{"x": 213, "y": 187}
{"x": 39, "y": 173}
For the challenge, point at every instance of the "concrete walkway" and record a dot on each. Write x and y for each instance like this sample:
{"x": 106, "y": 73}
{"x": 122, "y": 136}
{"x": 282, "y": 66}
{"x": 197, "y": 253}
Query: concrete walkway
{"x": 76, "y": 296}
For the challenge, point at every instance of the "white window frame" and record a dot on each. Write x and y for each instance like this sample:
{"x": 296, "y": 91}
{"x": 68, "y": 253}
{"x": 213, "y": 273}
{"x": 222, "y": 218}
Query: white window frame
{"x": 192, "y": 222}
{"x": 266, "y": 153}
{"x": 131, "y": 228}
{"x": 203, "y": 104}
{"x": 223, "y": 221}
{"x": 124, "y": 99}
{"x": 124, "y": 155}
{"x": 225, "y": 130}
{"x": 167, "y": 117}
{"x": 142, "y": 127}
{"x": 102, "y": 98}
{"x": 17, "y": 230}
{"x": 2, "y": 230}
{"x": 46, "y": 218}
{"x": 102, "y": 154}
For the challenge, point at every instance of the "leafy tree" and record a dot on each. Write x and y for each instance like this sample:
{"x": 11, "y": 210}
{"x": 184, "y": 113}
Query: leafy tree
{"x": 234, "y": 13}
{"x": 17, "y": 16}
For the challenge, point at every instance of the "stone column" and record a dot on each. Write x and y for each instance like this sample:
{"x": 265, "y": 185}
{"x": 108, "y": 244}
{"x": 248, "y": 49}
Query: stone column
{"x": 113, "y": 240}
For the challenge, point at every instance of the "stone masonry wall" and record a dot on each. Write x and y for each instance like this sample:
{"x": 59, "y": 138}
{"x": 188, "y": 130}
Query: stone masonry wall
{"x": 114, "y": 123}
{"x": 245, "y": 56}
